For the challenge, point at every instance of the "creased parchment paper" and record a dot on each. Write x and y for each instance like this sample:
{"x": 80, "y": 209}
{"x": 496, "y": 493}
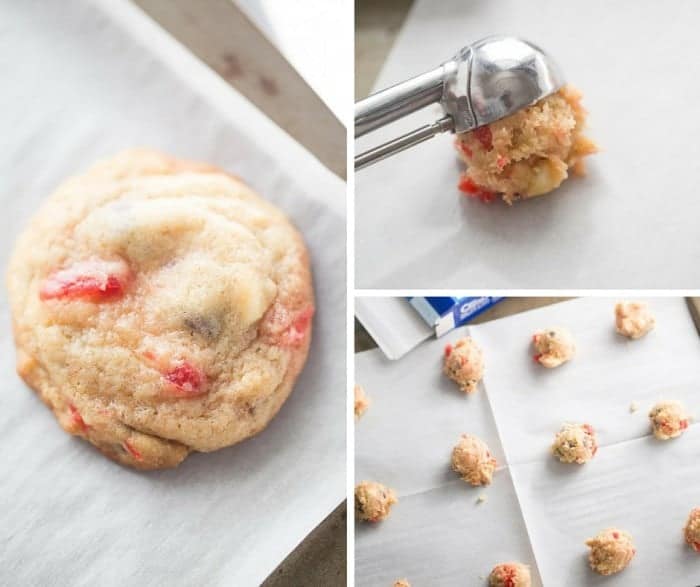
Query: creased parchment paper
{"x": 81, "y": 80}
{"x": 642, "y": 485}
{"x": 437, "y": 534}
{"x": 616, "y": 228}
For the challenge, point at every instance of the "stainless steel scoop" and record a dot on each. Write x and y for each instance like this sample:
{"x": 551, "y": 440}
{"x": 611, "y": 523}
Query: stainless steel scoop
{"x": 484, "y": 82}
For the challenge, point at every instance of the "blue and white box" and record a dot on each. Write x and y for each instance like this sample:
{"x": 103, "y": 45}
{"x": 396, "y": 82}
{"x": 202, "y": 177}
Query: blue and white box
{"x": 446, "y": 313}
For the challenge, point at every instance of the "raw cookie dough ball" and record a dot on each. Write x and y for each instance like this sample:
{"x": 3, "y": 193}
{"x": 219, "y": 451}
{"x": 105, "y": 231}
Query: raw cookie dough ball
{"x": 611, "y": 551}
{"x": 402, "y": 583}
{"x": 633, "y": 319}
{"x": 373, "y": 501}
{"x": 464, "y": 364}
{"x": 692, "y": 530}
{"x": 553, "y": 347}
{"x": 668, "y": 420}
{"x": 361, "y": 401}
{"x": 472, "y": 460}
{"x": 529, "y": 153}
{"x": 575, "y": 443}
{"x": 510, "y": 575}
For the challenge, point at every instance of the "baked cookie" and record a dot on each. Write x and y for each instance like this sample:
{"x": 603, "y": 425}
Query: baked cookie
{"x": 553, "y": 347}
{"x": 373, "y": 501}
{"x": 575, "y": 443}
{"x": 611, "y": 551}
{"x": 464, "y": 364}
{"x": 633, "y": 319}
{"x": 691, "y": 532}
{"x": 160, "y": 307}
{"x": 668, "y": 420}
{"x": 472, "y": 460}
{"x": 510, "y": 575}
{"x": 529, "y": 153}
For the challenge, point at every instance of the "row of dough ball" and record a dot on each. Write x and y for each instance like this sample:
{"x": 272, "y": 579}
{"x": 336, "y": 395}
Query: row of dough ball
{"x": 611, "y": 551}
{"x": 464, "y": 361}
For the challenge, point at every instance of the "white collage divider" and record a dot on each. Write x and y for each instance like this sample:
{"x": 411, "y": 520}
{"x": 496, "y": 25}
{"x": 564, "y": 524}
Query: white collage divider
{"x": 644, "y": 486}
{"x": 94, "y": 78}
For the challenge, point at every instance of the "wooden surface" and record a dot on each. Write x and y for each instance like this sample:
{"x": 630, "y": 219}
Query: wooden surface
{"x": 377, "y": 23}
{"x": 225, "y": 39}
{"x": 219, "y": 34}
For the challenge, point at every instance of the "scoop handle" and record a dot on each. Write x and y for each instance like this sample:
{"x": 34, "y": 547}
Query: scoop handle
{"x": 399, "y": 100}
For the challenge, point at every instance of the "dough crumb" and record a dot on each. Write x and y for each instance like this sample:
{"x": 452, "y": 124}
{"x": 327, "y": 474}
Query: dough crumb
{"x": 668, "y": 420}
{"x": 464, "y": 364}
{"x": 373, "y": 501}
{"x": 472, "y": 460}
{"x": 527, "y": 154}
{"x": 553, "y": 347}
{"x": 483, "y": 498}
{"x": 575, "y": 443}
{"x": 512, "y": 574}
{"x": 611, "y": 551}
{"x": 692, "y": 530}
{"x": 634, "y": 406}
{"x": 402, "y": 583}
{"x": 361, "y": 401}
{"x": 633, "y": 319}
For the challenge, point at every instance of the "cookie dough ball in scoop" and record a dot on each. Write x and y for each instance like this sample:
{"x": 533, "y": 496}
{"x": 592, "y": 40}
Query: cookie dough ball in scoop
{"x": 527, "y": 154}
{"x": 553, "y": 347}
{"x": 472, "y": 460}
{"x": 464, "y": 364}
{"x": 373, "y": 501}
{"x": 611, "y": 551}
{"x": 510, "y": 575}
{"x": 691, "y": 531}
{"x": 575, "y": 443}
{"x": 668, "y": 420}
{"x": 633, "y": 319}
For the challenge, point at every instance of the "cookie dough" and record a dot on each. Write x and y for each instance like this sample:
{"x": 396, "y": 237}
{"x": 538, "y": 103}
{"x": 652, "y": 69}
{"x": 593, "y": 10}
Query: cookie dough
{"x": 510, "y": 575}
{"x": 464, "y": 364}
{"x": 402, "y": 583}
{"x": 160, "y": 307}
{"x": 633, "y": 319}
{"x": 373, "y": 501}
{"x": 575, "y": 443}
{"x": 692, "y": 530}
{"x": 611, "y": 551}
{"x": 668, "y": 420}
{"x": 529, "y": 153}
{"x": 553, "y": 347}
{"x": 472, "y": 460}
{"x": 361, "y": 401}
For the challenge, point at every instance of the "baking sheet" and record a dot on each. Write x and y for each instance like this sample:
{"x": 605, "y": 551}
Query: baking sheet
{"x": 632, "y": 61}
{"x": 82, "y": 80}
{"x": 437, "y": 534}
{"x": 639, "y": 484}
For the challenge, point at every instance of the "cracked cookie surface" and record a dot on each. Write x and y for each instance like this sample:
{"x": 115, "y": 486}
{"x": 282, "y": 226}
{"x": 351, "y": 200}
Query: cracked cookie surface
{"x": 160, "y": 307}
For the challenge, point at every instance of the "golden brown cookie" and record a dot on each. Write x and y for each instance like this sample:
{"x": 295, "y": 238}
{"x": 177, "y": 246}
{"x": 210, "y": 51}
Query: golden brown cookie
{"x": 160, "y": 307}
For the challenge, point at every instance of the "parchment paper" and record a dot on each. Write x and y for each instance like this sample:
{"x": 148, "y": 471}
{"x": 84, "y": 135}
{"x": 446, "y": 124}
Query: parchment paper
{"x": 82, "y": 80}
{"x": 630, "y": 223}
{"x": 635, "y": 482}
{"x": 437, "y": 534}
